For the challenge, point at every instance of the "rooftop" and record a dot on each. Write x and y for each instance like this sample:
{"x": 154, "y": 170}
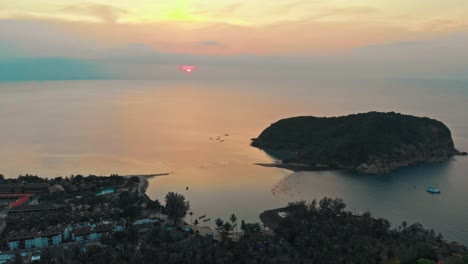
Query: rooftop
{"x": 19, "y": 202}
{"x": 33, "y": 233}
{"x": 23, "y": 185}
{"x": 56, "y": 188}
{"x": 37, "y": 207}
{"x": 84, "y": 230}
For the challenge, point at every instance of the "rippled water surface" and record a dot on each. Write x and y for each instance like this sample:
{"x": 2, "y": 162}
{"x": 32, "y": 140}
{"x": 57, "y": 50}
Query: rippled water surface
{"x": 138, "y": 127}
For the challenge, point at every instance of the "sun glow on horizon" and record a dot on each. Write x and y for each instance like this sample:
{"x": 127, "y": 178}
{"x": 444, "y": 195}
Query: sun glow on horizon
{"x": 188, "y": 68}
{"x": 232, "y": 27}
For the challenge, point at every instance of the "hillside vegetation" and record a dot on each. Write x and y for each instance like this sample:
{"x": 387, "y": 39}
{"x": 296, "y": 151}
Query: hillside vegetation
{"x": 370, "y": 142}
{"x": 324, "y": 232}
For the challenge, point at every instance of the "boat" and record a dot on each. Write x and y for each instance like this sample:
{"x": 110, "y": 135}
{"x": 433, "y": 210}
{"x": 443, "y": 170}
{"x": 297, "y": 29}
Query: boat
{"x": 433, "y": 190}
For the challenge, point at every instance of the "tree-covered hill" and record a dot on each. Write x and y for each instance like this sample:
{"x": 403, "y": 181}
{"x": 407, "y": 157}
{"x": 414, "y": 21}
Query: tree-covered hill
{"x": 371, "y": 142}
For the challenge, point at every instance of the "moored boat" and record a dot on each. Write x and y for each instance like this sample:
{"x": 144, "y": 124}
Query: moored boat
{"x": 433, "y": 190}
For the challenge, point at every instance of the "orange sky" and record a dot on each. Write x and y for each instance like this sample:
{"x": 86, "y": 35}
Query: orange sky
{"x": 246, "y": 27}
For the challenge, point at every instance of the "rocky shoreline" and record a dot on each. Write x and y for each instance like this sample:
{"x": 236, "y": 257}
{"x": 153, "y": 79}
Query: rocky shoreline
{"x": 382, "y": 167}
{"x": 298, "y": 166}
{"x": 376, "y": 168}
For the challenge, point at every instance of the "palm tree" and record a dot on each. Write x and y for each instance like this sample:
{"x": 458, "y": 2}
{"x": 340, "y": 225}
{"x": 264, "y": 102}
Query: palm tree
{"x": 196, "y": 224}
{"x": 225, "y": 229}
{"x": 176, "y": 206}
{"x": 191, "y": 214}
{"x": 219, "y": 224}
{"x": 233, "y": 220}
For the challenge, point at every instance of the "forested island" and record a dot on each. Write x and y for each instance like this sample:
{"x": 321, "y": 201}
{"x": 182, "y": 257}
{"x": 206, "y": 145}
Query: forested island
{"x": 370, "y": 143}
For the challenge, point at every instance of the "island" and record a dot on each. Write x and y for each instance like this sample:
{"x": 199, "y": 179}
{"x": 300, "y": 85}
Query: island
{"x": 369, "y": 143}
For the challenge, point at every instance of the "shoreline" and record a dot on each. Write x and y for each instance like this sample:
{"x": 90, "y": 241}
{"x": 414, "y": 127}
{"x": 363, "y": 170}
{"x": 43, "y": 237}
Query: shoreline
{"x": 271, "y": 218}
{"x": 376, "y": 168}
{"x": 144, "y": 182}
{"x": 147, "y": 176}
{"x": 296, "y": 167}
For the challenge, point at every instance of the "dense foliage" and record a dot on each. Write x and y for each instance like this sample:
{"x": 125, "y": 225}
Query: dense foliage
{"x": 178, "y": 247}
{"x": 354, "y": 139}
{"x": 176, "y": 207}
{"x": 319, "y": 232}
{"x": 323, "y": 232}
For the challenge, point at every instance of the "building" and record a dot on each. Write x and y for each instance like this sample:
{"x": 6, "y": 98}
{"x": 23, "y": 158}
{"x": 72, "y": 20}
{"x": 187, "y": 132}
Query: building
{"x": 6, "y": 258}
{"x": 106, "y": 190}
{"x": 30, "y": 239}
{"x": 118, "y": 228}
{"x": 56, "y": 188}
{"x": 90, "y": 233}
{"x": 24, "y": 188}
{"x": 34, "y": 209}
{"x": 146, "y": 221}
{"x": 15, "y": 199}
{"x": 22, "y": 200}
{"x": 82, "y": 232}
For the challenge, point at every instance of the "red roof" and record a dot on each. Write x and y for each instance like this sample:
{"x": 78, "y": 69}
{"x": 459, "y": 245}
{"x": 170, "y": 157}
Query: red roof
{"x": 15, "y": 194}
{"x": 19, "y": 202}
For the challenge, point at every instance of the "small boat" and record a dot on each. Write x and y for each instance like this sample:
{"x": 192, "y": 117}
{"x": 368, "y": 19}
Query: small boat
{"x": 433, "y": 190}
{"x": 206, "y": 220}
{"x": 203, "y": 216}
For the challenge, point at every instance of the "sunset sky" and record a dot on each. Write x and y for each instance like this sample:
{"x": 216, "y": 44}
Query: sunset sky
{"x": 161, "y": 32}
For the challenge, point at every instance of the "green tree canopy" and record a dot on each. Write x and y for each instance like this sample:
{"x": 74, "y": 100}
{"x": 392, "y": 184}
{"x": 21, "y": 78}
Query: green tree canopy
{"x": 425, "y": 261}
{"x": 176, "y": 206}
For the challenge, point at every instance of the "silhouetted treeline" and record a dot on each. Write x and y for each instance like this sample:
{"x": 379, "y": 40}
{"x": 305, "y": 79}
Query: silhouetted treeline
{"x": 323, "y": 232}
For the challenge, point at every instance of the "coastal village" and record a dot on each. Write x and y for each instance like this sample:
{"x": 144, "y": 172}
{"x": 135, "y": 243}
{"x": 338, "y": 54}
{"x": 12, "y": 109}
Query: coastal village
{"x": 61, "y": 220}
{"x": 66, "y": 215}
{"x": 96, "y": 219}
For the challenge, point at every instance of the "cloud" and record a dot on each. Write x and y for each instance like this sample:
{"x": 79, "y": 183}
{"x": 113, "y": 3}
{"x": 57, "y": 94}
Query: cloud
{"x": 211, "y": 43}
{"x": 450, "y": 47}
{"x": 105, "y": 13}
{"x": 217, "y": 11}
{"x": 345, "y": 13}
{"x": 398, "y": 44}
{"x": 441, "y": 25}
{"x": 29, "y": 38}
{"x": 52, "y": 51}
